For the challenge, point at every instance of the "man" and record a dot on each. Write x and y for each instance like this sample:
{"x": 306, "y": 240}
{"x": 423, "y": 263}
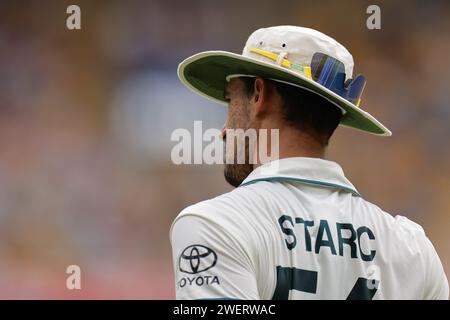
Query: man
{"x": 301, "y": 231}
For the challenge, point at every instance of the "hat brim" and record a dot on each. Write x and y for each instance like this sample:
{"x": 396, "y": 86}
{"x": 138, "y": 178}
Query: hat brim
{"x": 206, "y": 74}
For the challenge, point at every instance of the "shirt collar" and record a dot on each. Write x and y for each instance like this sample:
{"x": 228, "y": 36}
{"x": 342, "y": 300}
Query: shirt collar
{"x": 312, "y": 171}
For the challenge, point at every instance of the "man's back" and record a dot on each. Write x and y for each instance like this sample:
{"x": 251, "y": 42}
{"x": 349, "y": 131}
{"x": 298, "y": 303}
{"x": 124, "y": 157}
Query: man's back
{"x": 302, "y": 232}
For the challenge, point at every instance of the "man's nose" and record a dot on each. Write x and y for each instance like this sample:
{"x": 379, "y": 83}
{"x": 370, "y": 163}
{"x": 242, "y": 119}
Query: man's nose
{"x": 223, "y": 132}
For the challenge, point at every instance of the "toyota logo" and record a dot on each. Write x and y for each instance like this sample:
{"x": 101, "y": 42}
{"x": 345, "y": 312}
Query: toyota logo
{"x": 197, "y": 258}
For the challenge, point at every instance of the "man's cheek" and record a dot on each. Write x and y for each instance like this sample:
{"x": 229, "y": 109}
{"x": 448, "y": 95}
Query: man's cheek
{"x": 230, "y": 149}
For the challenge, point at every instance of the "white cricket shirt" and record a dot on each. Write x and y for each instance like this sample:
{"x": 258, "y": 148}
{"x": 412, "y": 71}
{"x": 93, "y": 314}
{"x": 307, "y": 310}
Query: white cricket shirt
{"x": 301, "y": 231}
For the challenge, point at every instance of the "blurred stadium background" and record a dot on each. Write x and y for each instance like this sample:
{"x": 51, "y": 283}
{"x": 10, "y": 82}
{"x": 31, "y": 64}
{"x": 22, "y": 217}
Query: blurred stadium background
{"x": 86, "y": 118}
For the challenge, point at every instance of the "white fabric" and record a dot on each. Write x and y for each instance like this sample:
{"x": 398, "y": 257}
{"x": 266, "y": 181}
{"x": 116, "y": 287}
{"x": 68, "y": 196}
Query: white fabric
{"x": 235, "y": 242}
{"x": 300, "y": 44}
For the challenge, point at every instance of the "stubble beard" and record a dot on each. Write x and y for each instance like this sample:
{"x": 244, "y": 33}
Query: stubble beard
{"x": 236, "y": 173}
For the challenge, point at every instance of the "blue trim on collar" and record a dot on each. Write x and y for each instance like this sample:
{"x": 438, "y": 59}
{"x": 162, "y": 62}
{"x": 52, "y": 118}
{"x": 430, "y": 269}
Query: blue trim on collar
{"x": 313, "y": 182}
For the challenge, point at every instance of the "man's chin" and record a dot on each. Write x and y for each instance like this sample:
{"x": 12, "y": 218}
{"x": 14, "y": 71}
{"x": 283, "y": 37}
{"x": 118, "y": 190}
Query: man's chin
{"x": 236, "y": 173}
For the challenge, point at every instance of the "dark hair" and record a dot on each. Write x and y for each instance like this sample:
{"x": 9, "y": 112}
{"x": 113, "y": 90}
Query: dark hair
{"x": 303, "y": 109}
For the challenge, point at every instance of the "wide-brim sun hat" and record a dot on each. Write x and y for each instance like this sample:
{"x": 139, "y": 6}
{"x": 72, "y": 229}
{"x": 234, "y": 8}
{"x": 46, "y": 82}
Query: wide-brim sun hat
{"x": 298, "y": 56}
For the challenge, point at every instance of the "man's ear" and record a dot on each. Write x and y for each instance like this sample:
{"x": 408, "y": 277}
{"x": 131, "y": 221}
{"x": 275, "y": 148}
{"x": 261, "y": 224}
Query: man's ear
{"x": 261, "y": 96}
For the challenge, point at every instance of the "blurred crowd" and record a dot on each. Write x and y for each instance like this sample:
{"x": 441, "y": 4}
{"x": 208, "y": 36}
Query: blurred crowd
{"x": 86, "y": 117}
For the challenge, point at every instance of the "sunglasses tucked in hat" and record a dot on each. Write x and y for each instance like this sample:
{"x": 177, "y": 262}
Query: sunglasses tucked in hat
{"x": 298, "y": 56}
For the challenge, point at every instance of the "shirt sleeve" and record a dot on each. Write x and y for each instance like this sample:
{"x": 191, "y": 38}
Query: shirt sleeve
{"x": 436, "y": 283}
{"x": 210, "y": 262}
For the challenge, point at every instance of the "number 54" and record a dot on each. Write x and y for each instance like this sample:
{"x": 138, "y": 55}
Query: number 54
{"x": 306, "y": 281}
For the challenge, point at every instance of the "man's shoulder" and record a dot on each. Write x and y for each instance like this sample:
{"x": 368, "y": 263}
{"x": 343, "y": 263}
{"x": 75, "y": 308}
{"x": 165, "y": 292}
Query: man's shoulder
{"x": 408, "y": 226}
{"x": 235, "y": 202}
{"x": 392, "y": 222}
{"x": 231, "y": 209}
{"x": 411, "y": 235}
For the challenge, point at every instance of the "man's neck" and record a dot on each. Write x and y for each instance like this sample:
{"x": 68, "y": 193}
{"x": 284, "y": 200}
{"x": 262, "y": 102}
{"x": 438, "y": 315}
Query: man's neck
{"x": 294, "y": 143}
